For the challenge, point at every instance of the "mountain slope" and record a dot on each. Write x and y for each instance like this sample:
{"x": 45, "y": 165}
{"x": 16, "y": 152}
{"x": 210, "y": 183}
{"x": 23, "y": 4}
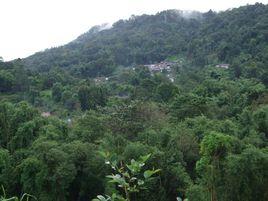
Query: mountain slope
{"x": 204, "y": 38}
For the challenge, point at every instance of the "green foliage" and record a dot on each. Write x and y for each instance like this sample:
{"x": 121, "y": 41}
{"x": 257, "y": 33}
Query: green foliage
{"x": 129, "y": 177}
{"x": 215, "y": 145}
{"x": 246, "y": 175}
{"x": 236, "y": 36}
{"x": 166, "y": 91}
{"x": 57, "y": 92}
{"x": 83, "y": 95}
{"x": 6, "y": 81}
{"x": 188, "y": 105}
{"x": 261, "y": 119}
{"x": 91, "y": 97}
{"x": 25, "y": 196}
{"x": 205, "y": 126}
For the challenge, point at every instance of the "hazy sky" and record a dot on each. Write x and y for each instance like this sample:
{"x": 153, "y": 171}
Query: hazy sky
{"x": 28, "y": 26}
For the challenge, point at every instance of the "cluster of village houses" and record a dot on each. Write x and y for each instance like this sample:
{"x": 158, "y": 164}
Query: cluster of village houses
{"x": 160, "y": 67}
{"x": 164, "y": 66}
{"x": 154, "y": 68}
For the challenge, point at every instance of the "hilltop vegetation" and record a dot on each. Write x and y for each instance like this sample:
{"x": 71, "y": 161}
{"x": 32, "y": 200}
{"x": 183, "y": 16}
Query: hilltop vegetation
{"x": 237, "y": 36}
{"x": 206, "y": 129}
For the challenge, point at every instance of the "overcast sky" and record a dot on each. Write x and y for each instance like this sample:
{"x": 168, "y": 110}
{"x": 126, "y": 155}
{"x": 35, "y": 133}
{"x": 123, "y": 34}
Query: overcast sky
{"x": 28, "y": 26}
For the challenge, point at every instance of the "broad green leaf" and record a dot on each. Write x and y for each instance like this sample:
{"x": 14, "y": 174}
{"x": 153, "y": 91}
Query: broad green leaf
{"x": 143, "y": 159}
{"x": 148, "y": 173}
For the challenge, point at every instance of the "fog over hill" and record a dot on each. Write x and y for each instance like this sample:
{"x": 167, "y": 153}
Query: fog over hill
{"x": 203, "y": 38}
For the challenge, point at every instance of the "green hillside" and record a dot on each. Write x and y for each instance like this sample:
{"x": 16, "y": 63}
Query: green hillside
{"x": 172, "y": 106}
{"x": 237, "y": 36}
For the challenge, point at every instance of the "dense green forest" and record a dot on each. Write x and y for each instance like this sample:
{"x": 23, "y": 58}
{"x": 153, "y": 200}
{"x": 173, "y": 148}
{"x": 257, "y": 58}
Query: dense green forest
{"x": 197, "y": 131}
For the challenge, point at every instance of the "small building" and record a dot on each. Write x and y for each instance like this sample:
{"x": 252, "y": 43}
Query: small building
{"x": 45, "y": 114}
{"x": 226, "y": 66}
{"x": 99, "y": 80}
{"x": 171, "y": 79}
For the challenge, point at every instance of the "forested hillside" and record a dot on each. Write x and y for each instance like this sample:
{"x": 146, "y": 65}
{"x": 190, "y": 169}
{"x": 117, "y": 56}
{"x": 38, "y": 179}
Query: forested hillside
{"x": 192, "y": 125}
{"x": 237, "y": 36}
